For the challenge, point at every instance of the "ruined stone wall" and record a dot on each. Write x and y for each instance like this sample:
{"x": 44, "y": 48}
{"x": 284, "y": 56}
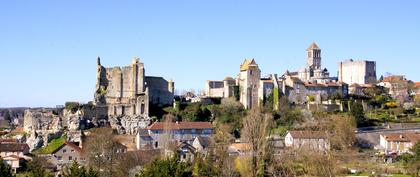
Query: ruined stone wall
{"x": 41, "y": 119}
{"x": 160, "y": 91}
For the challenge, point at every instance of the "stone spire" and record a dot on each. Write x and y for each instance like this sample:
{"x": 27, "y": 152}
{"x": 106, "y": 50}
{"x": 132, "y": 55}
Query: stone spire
{"x": 98, "y": 60}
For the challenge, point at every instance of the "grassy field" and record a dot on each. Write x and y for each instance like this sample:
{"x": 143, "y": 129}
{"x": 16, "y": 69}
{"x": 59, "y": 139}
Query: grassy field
{"x": 53, "y": 145}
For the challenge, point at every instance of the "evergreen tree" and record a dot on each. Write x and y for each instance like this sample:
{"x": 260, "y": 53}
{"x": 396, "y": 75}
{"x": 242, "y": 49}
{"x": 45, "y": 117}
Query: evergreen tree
{"x": 76, "y": 170}
{"x": 5, "y": 170}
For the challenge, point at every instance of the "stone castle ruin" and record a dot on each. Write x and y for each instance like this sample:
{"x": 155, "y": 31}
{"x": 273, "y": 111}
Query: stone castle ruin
{"x": 128, "y": 91}
{"x": 122, "y": 99}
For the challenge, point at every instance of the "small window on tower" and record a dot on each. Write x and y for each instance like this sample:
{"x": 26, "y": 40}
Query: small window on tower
{"x": 250, "y": 72}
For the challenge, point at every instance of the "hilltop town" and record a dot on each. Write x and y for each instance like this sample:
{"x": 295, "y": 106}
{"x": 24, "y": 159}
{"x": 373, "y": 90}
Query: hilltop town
{"x": 307, "y": 122}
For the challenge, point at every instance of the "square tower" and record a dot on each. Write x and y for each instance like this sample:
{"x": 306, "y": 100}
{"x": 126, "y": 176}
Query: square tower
{"x": 249, "y": 83}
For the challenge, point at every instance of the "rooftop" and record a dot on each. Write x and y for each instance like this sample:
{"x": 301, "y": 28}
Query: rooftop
{"x": 402, "y": 137}
{"x": 308, "y": 134}
{"x": 71, "y": 145}
{"x": 248, "y": 62}
{"x": 181, "y": 125}
{"x": 13, "y": 147}
{"x": 313, "y": 46}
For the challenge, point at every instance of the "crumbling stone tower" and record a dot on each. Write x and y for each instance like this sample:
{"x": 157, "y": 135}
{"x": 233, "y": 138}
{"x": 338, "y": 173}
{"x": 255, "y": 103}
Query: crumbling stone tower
{"x": 121, "y": 90}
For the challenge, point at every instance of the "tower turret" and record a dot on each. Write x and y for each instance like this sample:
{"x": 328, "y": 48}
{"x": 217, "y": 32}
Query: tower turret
{"x": 314, "y": 56}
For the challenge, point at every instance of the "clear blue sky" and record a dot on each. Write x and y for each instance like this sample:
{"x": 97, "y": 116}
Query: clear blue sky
{"x": 48, "y": 49}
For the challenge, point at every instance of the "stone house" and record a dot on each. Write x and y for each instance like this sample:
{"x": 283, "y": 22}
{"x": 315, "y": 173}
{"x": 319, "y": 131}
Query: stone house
{"x": 398, "y": 143}
{"x": 66, "y": 154}
{"x": 159, "y": 133}
{"x": 220, "y": 89}
{"x": 239, "y": 149}
{"x": 307, "y": 140}
{"x": 14, "y": 161}
{"x": 298, "y": 91}
{"x": 359, "y": 89}
{"x": 17, "y": 149}
{"x": 14, "y": 153}
{"x": 397, "y": 87}
{"x": 186, "y": 152}
{"x": 201, "y": 144}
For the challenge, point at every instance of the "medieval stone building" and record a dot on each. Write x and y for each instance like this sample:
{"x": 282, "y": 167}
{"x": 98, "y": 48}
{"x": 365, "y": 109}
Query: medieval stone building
{"x": 357, "y": 72}
{"x": 127, "y": 91}
{"x": 313, "y": 69}
{"x": 249, "y": 83}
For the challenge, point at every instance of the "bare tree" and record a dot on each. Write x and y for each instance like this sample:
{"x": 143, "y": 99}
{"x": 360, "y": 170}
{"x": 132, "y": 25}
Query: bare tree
{"x": 166, "y": 137}
{"x": 102, "y": 151}
{"x": 256, "y": 129}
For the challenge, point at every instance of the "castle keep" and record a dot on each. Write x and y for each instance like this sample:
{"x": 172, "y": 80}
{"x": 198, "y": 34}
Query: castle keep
{"x": 127, "y": 91}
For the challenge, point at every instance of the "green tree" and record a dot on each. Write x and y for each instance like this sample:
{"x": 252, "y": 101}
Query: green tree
{"x": 5, "y": 170}
{"x": 7, "y": 116}
{"x": 76, "y": 170}
{"x": 204, "y": 167}
{"x": 166, "y": 168}
{"x": 412, "y": 161}
{"x": 358, "y": 113}
{"x": 35, "y": 169}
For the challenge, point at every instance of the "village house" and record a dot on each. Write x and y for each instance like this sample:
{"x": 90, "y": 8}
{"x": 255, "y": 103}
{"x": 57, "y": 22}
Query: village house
{"x": 14, "y": 153}
{"x": 359, "y": 89}
{"x": 159, "y": 133}
{"x": 66, "y": 154}
{"x": 397, "y": 87}
{"x": 398, "y": 143}
{"x": 239, "y": 149}
{"x": 309, "y": 140}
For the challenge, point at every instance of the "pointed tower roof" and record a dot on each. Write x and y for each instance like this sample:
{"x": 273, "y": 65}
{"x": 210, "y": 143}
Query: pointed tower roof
{"x": 313, "y": 46}
{"x": 245, "y": 65}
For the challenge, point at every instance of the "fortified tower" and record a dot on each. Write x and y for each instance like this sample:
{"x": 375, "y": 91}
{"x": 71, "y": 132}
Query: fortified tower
{"x": 249, "y": 83}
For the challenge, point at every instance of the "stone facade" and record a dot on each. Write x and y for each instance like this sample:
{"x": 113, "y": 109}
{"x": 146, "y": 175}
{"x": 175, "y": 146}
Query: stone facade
{"x": 121, "y": 91}
{"x": 356, "y": 72}
{"x": 311, "y": 80}
{"x": 309, "y": 140}
{"x": 127, "y": 91}
{"x": 249, "y": 83}
{"x": 397, "y": 86}
{"x": 159, "y": 133}
{"x": 313, "y": 69}
{"x": 221, "y": 89}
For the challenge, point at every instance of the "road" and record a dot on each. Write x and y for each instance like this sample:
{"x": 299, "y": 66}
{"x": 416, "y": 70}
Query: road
{"x": 371, "y": 134}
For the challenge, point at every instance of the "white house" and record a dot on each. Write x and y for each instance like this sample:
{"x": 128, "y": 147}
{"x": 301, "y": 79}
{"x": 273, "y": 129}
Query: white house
{"x": 398, "y": 143}
{"x": 312, "y": 140}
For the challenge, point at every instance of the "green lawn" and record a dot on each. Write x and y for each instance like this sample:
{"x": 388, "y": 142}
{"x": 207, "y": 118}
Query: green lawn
{"x": 53, "y": 145}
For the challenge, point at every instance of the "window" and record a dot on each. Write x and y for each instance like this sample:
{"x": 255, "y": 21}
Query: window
{"x": 70, "y": 158}
{"x": 59, "y": 158}
{"x": 72, "y": 150}
{"x": 64, "y": 150}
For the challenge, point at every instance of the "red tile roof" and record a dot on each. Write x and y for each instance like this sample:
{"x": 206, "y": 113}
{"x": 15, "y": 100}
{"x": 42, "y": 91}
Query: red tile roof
{"x": 9, "y": 140}
{"x": 181, "y": 125}
{"x": 402, "y": 137}
{"x": 308, "y": 134}
{"x": 13, "y": 147}
{"x": 71, "y": 145}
